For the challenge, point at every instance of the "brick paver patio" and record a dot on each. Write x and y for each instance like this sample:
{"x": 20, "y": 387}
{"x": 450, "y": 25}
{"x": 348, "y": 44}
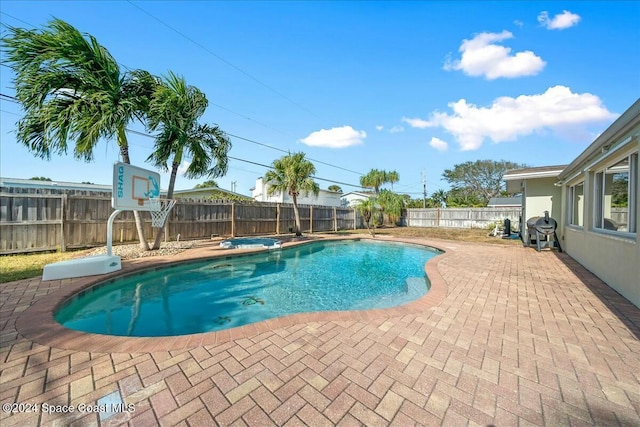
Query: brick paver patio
{"x": 508, "y": 336}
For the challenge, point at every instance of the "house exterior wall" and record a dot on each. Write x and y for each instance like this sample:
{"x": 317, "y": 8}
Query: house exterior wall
{"x": 351, "y": 199}
{"x": 613, "y": 256}
{"x": 541, "y": 195}
{"x": 324, "y": 197}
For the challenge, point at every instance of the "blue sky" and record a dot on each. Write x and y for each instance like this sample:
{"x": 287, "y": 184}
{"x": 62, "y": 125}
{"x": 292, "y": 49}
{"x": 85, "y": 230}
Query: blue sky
{"x": 408, "y": 86}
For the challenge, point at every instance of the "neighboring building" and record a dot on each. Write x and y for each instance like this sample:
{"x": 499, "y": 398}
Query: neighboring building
{"x": 505, "y": 202}
{"x": 539, "y": 194}
{"x": 10, "y": 185}
{"x": 597, "y": 213}
{"x": 352, "y": 198}
{"x": 60, "y": 187}
{"x": 324, "y": 197}
{"x": 208, "y": 193}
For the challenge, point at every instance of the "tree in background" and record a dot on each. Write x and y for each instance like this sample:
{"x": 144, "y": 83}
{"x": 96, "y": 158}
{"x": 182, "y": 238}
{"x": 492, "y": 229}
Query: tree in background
{"x": 392, "y": 178}
{"x": 335, "y": 188}
{"x": 367, "y": 208}
{"x": 292, "y": 174}
{"x": 439, "y": 198}
{"x": 73, "y": 91}
{"x": 478, "y": 181}
{"x": 174, "y": 111}
{"x": 376, "y": 178}
{"x": 207, "y": 184}
{"x": 40, "y": 178}
{"x": 457, "y": 198}
{"x": 391, "y": 204}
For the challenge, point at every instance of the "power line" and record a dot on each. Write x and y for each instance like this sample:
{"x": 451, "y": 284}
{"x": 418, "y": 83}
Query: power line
{"x": 15, "y": 100}
{"x": 17, "y": 19}
{"x": 212, "y": 103}
{"x": 206, "y": 49}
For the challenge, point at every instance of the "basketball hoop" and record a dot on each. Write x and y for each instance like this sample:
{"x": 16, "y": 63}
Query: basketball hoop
{"x": 160, "y": 208}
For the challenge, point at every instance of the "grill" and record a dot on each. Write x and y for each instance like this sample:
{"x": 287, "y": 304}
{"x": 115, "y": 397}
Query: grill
{"x": 543, "y": 230}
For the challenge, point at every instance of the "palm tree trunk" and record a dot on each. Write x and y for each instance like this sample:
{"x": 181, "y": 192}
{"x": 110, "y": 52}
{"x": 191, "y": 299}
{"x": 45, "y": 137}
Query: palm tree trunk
{"x": 124, "y": 151}
{"x": 296, "y": 214}
{"x": 172, "y": 182}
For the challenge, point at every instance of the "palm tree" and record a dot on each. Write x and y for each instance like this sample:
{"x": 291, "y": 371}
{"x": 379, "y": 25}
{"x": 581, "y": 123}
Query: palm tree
{"x": 335, "y": 188}
{"x": 439, "y": 198}
{"x": 374, "y": 179}
{"x": 392, "y": 177}
{"x": 207, "y": 184}
{"x": 292, "y": 174}
{"x": 391, "y": 204}
{"x": 72, "y": 90}
{"x": 367, "y": 208}
{"x": 174, "y": 111}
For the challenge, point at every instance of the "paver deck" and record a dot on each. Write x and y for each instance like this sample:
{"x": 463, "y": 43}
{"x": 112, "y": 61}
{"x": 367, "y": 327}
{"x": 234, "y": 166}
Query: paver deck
{"x": 507, "y": 336}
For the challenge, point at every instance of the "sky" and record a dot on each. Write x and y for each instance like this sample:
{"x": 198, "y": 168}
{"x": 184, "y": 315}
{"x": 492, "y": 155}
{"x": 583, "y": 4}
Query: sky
{"x": 415, "y": 87}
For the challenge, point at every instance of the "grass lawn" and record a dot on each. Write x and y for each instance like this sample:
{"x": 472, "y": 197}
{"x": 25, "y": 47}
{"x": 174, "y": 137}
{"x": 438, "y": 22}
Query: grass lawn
{"x": 24, "y": 266}
{"x": 476, "y": 235}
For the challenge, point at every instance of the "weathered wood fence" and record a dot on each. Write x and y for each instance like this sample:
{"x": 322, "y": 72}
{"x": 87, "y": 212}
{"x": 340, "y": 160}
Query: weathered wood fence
{"x": 462, "y": 217}
{"x": 69, "y": 220}
{"x": 38, "y": 222}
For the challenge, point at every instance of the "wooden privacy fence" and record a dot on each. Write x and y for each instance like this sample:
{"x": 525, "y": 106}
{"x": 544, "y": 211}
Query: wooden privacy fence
{"x": 39, "y": 222}
{"x": 462, "y": 217}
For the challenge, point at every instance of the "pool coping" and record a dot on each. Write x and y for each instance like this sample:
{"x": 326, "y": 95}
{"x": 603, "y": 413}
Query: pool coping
{"x": 37, "y": 323}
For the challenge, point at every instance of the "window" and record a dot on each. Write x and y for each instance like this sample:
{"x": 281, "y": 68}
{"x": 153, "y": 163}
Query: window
{"x": 616, "y": 196}
{"x": 576, "y": 206}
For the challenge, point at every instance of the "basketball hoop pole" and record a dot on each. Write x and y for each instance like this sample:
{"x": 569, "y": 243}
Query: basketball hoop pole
{"x": 110, "y": 230}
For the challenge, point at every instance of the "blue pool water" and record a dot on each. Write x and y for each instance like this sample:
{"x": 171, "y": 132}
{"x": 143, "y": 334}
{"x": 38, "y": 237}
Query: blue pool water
{"x": 223, "y": 293}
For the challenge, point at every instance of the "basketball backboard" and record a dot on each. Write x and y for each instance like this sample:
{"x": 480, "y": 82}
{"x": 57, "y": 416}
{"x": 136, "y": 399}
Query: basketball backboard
{"x": 133, "y": 186}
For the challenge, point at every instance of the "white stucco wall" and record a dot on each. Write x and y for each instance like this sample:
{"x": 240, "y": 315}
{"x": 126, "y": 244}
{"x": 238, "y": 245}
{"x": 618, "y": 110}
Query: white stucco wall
{"x": 612, "y": 256}
{"x": 351, "y": 199}
{"x": 542, "y": 195}
{"x": 324, "y": 197}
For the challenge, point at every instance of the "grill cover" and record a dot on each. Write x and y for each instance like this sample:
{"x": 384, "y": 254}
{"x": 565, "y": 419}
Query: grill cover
{"x": 542, "y": 224}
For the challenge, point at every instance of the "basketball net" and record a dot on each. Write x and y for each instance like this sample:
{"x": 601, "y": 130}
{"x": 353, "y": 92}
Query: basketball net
{"x": 160, "y": 208}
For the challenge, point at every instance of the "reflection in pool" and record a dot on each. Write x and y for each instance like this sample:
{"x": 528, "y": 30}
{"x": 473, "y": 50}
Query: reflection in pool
{"x": 221, "y": 293}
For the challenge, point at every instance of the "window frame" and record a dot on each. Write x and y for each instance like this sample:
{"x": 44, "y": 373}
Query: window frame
{"x": 573, "y": 207}
{"x": 599, "y": 195}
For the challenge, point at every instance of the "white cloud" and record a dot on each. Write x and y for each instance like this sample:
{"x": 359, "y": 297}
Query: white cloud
{"x": 417, "y": 123}
{"x": 396, "y": 129}
{"x": 183, "y": 167}
{"x": 518, "y": 23}
{"x": 438, "y": 144}
{"x": 481, "y": 56}
{"x": 339, "y": 137}
{"x": 561, "y": 21}
{"x": 379, "y": 127}
{"x": 557, "y": 109}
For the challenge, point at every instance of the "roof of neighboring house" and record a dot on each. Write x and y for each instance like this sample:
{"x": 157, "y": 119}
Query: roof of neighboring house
{"x": 505, "y": 201}
{"x": 358, "y": 193}
{"x": 537, "y": 172}
{"x": 605, "y": 140}
{"x": 53, "y": 185}
{"x": 207, "y": 190}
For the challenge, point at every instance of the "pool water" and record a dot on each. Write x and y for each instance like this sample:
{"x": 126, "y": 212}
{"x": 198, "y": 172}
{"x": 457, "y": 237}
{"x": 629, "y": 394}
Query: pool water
{"x": 223, "y": 293}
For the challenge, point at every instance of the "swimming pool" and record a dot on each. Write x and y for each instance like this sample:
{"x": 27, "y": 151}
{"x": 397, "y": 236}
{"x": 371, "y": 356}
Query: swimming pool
{"x": 226, "y": 292}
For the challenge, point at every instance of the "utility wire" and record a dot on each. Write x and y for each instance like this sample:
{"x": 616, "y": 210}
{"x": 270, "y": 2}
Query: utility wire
{"x": 210, "y": 52}
{"x": 14, "y": 99}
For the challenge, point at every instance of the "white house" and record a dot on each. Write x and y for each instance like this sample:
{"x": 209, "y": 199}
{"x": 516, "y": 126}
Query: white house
{"x": 352, "y": 198}
{"x": 595, "y": 202}
{"x": 324, "y": 197}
